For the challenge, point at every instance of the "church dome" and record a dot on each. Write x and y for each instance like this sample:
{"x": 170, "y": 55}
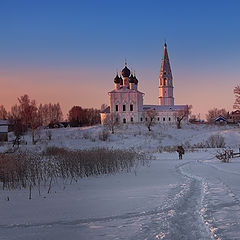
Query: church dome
{"x": 121, "y": 80}
{"x": 117, "y": 79}
{"x": 135, "y": 80}
{"x": 131, "y": 79}
{"x": 126, "y": 72}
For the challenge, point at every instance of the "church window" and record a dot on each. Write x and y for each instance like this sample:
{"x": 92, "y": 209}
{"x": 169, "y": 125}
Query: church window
{"x": 124, "y": 108}
{"x": 131, "y": 107}
{"x": 165, "y": 81}
{"x": 116, "y": 108}
{"x": 131, "y": 119}
{"x": 124, "y": 120}
{"x": 141, "y": 119}
{"x": 164, "y": 119}
{"x": 169, "y": 119}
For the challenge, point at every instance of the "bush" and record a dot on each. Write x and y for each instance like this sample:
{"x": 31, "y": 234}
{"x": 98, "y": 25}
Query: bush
{"x": 215, "y": 141}
{"x": 169, "y": 149}
{"x": 103, "y": 135}
{"x": 30, "y": 169}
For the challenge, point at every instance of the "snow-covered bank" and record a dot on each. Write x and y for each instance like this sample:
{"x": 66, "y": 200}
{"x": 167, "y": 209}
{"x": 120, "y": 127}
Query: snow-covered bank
{"x": 195, "y": 198}
{"x": 134, "y": 136}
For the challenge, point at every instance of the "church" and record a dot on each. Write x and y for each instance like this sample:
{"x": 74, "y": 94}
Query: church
{"x": 126, "y": 101}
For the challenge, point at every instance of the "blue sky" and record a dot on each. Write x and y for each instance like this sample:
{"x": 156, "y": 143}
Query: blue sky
{"x": 92, "y": 38}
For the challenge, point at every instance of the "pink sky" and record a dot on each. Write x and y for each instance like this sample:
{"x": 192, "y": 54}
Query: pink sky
{"x": 88, "y": 88}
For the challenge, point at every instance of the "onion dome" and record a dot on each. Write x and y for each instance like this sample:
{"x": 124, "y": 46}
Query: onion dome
{"x": 117, "y": 79}
{"x": 126, "y": 72}
{"x": 135, "y": 80}
{"x": 131, "y": 79}
{"x": 121, "y": 80}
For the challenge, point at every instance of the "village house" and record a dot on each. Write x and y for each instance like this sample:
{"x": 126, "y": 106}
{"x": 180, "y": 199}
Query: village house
{"x": 234, "y": 117}
{"x": 3, "y": 130}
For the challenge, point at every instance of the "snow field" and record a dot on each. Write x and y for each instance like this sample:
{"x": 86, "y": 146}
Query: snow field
{"x": 196, "y": 198}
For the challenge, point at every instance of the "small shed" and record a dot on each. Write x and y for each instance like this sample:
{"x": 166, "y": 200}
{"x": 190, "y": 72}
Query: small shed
{"x": 220, "y": 120}
{"x": 3, "y": 130}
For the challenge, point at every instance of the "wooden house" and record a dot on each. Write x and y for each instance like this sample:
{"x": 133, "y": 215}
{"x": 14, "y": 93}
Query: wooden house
{"x": 3, "y": 130}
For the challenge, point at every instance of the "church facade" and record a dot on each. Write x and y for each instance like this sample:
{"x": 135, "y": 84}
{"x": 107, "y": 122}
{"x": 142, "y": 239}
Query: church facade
{"x": 126, "y": 101}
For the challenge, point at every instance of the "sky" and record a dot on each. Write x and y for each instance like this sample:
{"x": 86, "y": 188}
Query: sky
{"x": 69, "y": 51}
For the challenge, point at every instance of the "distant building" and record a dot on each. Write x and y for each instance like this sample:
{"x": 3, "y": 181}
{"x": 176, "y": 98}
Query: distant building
{"x": 3, "y": 130}
{"x": 234, "y": 117}
{"x": 220, "y": 120}
{"x": 127, "y": 101}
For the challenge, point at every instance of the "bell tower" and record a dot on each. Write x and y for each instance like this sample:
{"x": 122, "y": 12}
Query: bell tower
{"x": 165, "y": 81}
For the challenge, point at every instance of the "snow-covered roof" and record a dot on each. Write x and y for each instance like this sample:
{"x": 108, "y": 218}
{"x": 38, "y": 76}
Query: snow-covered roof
{"x": 106, "y": 110}
{"x": 164, "y": 108}
{"x": 220, "y": 119}
{"x": 3, "y": 122}
{"x": 3, "y": 129}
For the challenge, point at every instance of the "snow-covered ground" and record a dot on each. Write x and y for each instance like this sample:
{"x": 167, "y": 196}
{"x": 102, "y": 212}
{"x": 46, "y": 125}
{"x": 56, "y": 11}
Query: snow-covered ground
{"x": 194, "y": 198}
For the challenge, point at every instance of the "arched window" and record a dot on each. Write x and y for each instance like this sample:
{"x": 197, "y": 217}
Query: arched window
{"x": 131, "y": 119}
{"x": 165, "y": 81}
{"x": 124, "y": 120}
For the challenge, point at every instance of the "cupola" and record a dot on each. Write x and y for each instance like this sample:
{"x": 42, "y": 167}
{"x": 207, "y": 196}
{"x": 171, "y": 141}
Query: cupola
{"x": 135, "y": 80}
{"x": 125, "y": 72}
{"x": 131, "y": 79}
{"x": 117, "y": 79}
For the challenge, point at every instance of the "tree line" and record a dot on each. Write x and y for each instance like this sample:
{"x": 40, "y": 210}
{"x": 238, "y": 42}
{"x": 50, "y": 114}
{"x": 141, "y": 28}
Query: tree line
{"x": 215, "y": 112}
{"x": 27, "y": 114}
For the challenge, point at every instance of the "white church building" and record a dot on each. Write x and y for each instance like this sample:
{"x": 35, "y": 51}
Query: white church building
{"x": 126, "y": 101}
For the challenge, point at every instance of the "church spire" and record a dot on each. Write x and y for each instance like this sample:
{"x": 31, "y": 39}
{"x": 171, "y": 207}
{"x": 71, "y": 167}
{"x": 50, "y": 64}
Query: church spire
{"x": 165, "y": 71}
{"x": 165, "y": 80}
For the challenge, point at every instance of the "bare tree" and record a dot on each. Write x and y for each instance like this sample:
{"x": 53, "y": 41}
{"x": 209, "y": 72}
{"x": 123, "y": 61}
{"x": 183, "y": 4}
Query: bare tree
{"x": 50, "y": 114}
{"x": 111, "y": 121}
{"x": 79, "y": 116}
{"x": 103, "y": 107}
{"x": 149, "y": 118}
{"x": 15, "y": 112}
{"x": 181, "y": 115}
{"x": 214, "y": 113}
{"x": 3, "y": 112}
{"x": 18, "y": 131}
{"x": 237, "y": 97}
{"x": 29, "y": 114}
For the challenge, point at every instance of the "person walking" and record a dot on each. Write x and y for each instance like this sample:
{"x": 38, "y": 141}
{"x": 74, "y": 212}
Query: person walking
{"x": 180, "y": 151}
